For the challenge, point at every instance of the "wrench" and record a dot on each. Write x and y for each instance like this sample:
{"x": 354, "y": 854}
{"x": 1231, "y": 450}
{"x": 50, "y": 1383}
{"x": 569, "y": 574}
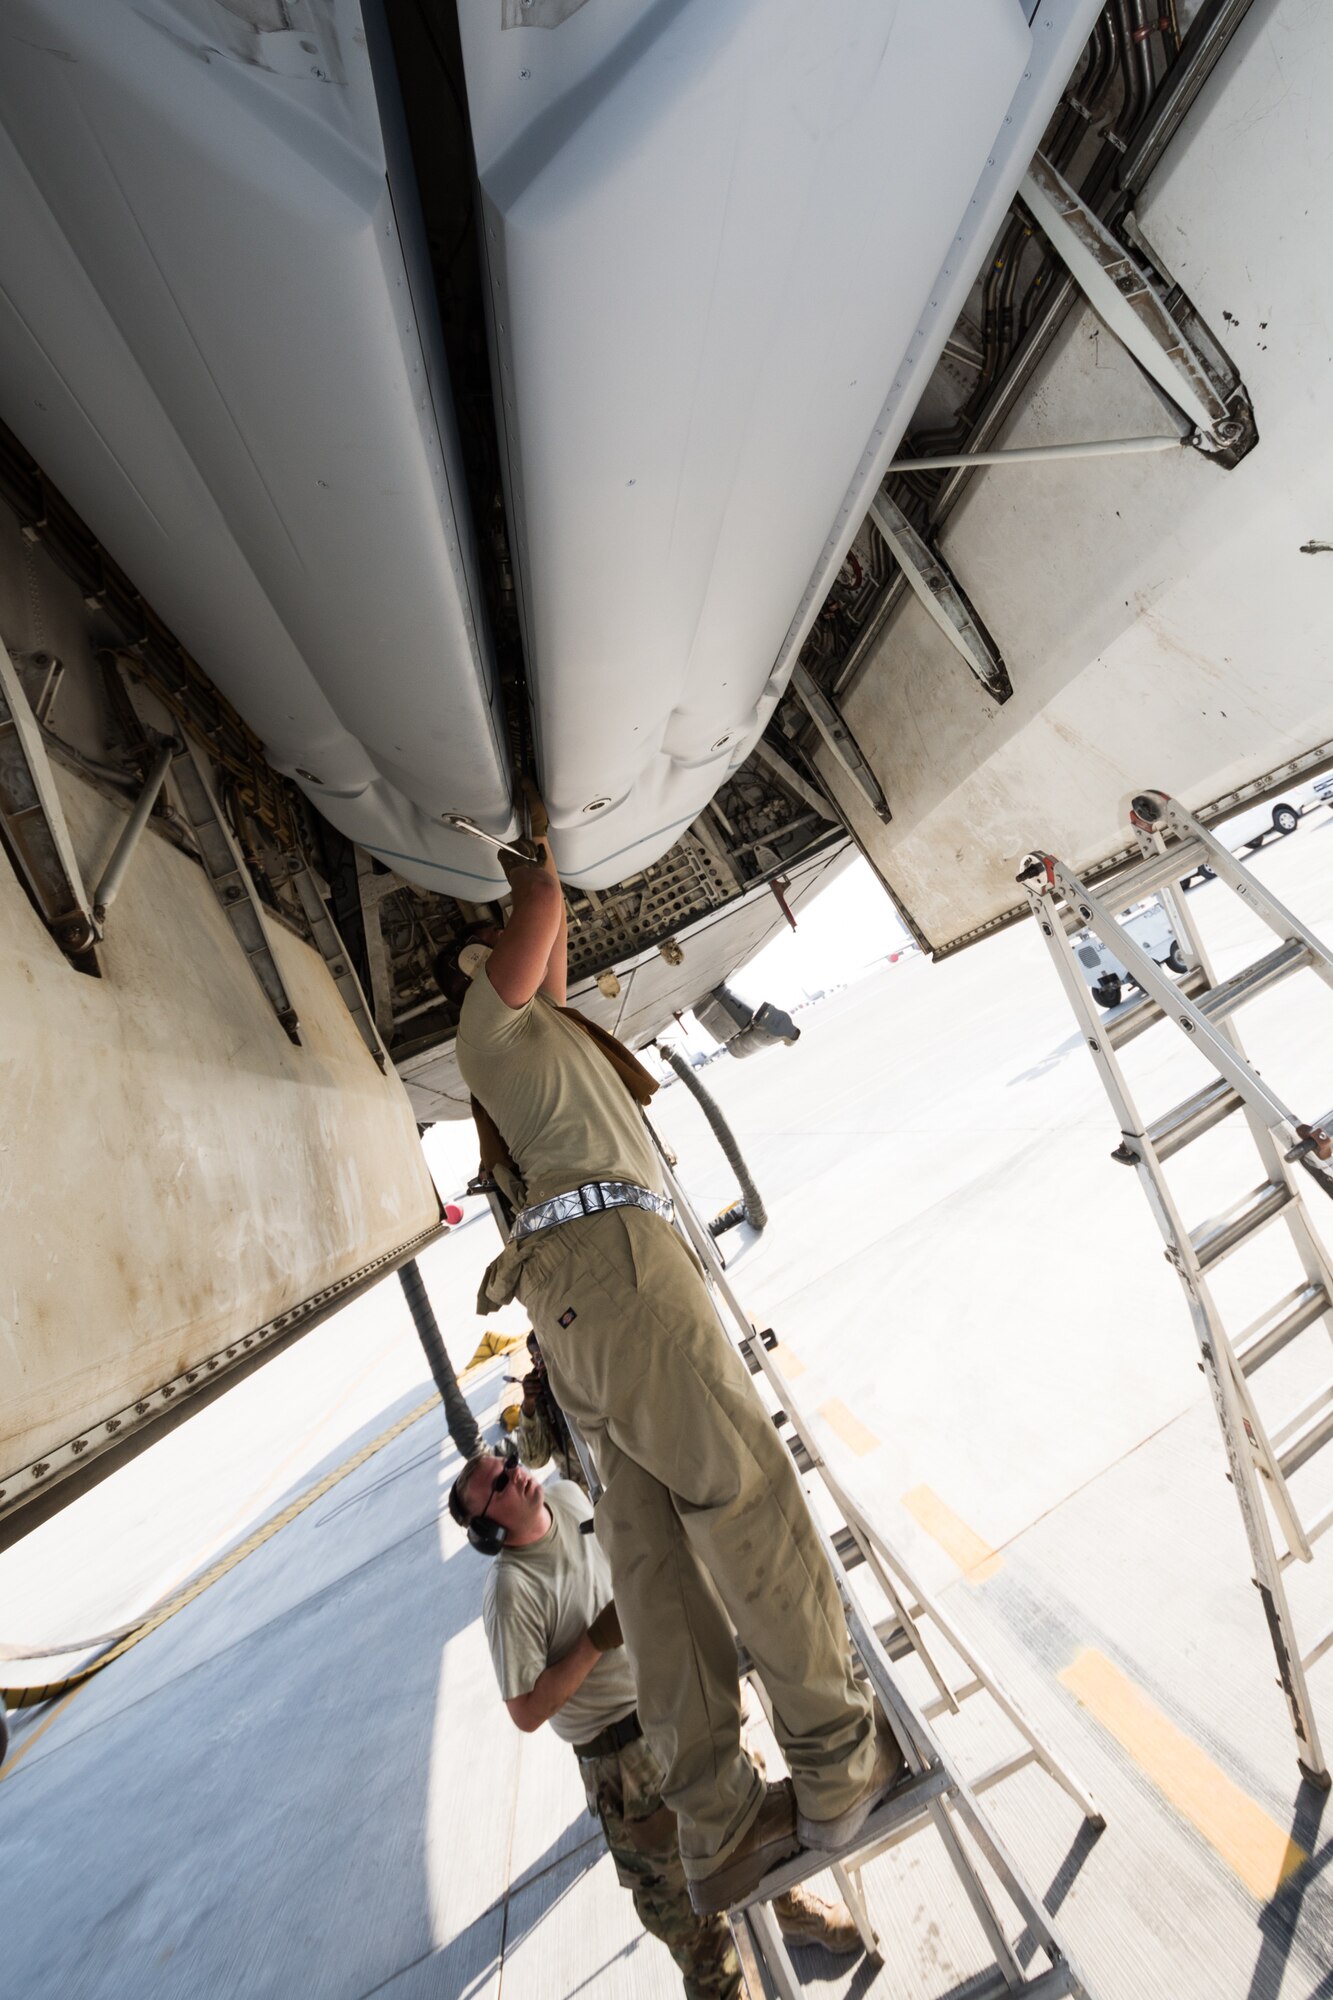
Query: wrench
{"x": 478, "y": 833}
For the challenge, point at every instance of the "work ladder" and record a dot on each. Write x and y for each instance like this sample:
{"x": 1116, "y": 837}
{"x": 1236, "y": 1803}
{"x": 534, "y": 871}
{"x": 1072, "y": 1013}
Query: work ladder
{"x": 934, "y": 1793}
{"x": 1293, "y": 1155}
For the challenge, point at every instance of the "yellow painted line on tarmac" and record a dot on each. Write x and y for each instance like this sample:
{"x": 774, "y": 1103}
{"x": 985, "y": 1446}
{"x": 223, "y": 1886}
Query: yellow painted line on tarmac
{"x": 246, "y": 1511}
{"x": 69, "y": 1685}
{"x": 975, "y": 1557}
{"x": 787, "y": 1363}
{"x": 1255, "y": 1846}
{"x": 850, "y": 1429}
{"x": 11, "y": 1764}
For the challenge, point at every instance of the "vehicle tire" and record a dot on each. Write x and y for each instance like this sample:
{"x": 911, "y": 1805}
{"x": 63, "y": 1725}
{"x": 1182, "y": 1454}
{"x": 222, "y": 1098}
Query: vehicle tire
{"x": 1286, "y": 819}
{"x": 1175, "y": 958}
{"x": 1107, "y": 991}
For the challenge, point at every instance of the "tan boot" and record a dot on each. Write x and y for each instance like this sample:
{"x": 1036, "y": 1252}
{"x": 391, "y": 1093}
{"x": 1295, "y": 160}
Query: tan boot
{"x": 807, "y": 1919}
{"x": 832, "y": 1836}
{"x": 770, "y": 1839}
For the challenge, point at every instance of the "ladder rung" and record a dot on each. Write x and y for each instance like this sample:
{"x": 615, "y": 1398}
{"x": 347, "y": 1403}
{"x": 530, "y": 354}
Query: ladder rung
{"x": 1270, "y": 1333}
{"x": 1155, "y": 871}
{"x": 1143, "y": 1012}
{"x": 1258, "y": 978}
{"x": 1194, "y": 1116}
{"x": 1318, "y": 1650}
{"x": 1319, "y": 1526}
{"x": 1219, "y": 1236}
{"x": 892, "y": 1636}
{"x": 847, "y": 1549}
{"x": 1308, "y": 1430}
{"x": 940, "y": 1706}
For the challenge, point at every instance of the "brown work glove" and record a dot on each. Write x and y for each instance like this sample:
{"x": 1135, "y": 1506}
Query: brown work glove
{"x": 605, "y": 1630}
{"x": 533, "y": 856}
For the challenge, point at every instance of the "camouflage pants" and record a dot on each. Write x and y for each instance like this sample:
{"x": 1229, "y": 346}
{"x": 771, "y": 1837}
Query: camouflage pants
{"x": 624, "y": 1792}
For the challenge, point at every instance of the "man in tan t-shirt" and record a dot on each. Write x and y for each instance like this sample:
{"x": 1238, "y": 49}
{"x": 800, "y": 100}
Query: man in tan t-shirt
{"x": 555, "y": 1644}
{"x": 702, "y": 1515}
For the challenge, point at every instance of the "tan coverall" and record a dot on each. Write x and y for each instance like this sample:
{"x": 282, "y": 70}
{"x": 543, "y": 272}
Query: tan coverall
{"x": 703, "y": 1518}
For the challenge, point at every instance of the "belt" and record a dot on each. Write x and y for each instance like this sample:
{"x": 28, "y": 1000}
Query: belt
{"x": 590, "y": 1199}
{"x": 628, "y": 1730}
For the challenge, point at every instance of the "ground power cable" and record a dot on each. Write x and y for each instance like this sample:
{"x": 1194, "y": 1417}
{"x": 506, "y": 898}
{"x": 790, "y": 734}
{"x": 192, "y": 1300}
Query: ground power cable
{"x": 751, "y": 1200}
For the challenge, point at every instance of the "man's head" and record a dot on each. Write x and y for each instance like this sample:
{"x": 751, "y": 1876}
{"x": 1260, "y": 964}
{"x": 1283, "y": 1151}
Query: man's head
{"x": 493, "y": 1492}
{"x": 458, "y": 964}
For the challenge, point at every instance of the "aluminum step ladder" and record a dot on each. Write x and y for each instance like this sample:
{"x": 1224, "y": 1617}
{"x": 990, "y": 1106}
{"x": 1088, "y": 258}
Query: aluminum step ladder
{"x": 1294, "y": 1155}
{"x": 935, "y": 1793}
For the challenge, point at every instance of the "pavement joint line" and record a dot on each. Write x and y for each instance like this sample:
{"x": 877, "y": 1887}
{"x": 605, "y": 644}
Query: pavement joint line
{"x": 974, "y": 1556}
{"x": 34, "y": 1697}
{"x": 495, "y": 1908}
{"x": 1235, "y": 1826}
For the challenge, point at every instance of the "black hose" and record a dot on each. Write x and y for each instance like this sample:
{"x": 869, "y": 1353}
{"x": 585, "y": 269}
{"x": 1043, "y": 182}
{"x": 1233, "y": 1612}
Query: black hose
{"x": 462, "y": 1424}
{"x": 755, "y": 1212}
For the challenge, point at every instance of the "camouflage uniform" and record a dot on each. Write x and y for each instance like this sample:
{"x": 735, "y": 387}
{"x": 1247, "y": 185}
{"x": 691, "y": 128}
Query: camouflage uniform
{"x": 624, "y": 1792}
{"x": 538, "y": 1445}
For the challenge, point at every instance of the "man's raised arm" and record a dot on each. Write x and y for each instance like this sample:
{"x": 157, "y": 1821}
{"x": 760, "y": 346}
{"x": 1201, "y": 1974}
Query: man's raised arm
{"x": 520, "y": 963}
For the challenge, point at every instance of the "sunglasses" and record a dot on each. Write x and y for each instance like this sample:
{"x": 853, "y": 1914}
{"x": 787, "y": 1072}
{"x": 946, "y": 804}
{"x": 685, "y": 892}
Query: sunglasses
{"x": 498, "y": 1484}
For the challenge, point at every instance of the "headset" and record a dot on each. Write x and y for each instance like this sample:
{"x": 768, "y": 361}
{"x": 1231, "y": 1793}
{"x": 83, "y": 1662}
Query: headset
{"x": 485, "y": 1536}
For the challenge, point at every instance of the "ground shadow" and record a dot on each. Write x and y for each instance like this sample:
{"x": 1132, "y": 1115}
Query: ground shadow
{"x": 246, "y": 1801}
{"x": 1279, "y": 1917}
{"x": 1048, "y": 1062}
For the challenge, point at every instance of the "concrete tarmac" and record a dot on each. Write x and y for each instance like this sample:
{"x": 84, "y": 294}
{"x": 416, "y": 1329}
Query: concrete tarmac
{"x": 305, "y": 1783}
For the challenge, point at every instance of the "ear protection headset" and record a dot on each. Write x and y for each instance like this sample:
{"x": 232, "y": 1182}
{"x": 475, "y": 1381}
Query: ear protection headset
{"x": 486, "y": 1536}
{"x": 472, "y": 957}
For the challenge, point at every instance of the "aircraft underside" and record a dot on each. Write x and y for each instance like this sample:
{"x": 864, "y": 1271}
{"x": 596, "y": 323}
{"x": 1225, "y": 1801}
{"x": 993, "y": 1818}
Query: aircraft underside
{"x": 402, "y": 402}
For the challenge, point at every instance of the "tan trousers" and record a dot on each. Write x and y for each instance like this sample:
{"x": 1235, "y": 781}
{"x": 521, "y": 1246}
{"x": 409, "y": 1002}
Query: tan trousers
{"x": 703, "y": 1521}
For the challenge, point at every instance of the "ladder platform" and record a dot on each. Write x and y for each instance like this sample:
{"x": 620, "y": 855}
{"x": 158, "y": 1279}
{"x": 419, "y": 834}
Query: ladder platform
{"x": 1220, "y": 1235}
{"x": 1193, "y": 1116}
{"x": 1276, "y": 1328}
{"x": 905, "y": 1804}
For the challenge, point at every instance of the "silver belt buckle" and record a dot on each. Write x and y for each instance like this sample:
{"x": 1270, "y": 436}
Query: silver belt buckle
{"x": 592, "y": 1197}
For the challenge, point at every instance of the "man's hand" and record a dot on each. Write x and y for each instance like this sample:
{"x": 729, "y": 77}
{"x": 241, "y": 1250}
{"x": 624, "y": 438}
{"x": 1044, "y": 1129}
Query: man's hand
{"x": 553, "y": 1686}
{"x": 605, "y": 1631}
{"x": 531, "y": 854}
{"x": 531, "y": 1390}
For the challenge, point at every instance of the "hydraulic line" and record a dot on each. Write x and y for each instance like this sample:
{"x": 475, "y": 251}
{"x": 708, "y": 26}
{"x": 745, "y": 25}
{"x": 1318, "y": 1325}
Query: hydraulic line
{"x": 462, "y": 1424}
{"x": 751, "y": 1199}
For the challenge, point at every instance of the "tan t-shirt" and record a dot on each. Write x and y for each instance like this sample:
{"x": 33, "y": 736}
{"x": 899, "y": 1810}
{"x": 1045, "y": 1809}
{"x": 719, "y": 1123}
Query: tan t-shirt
{"x": 561, "y": 1109}
{"x": 539, "y": 1600}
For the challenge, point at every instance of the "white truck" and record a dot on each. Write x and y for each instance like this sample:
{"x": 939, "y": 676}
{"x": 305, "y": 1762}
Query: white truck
{"x": 1149, "y": 926}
